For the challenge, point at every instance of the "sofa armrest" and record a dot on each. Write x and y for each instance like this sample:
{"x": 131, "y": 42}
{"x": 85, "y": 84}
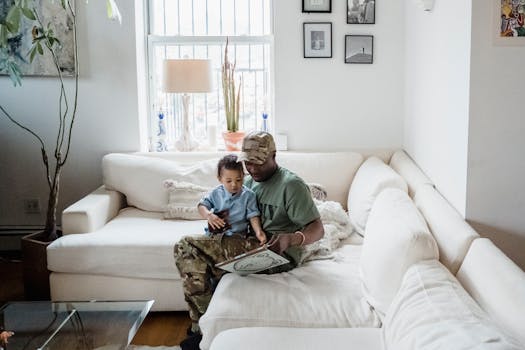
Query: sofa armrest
{"x": 92, "y": 212}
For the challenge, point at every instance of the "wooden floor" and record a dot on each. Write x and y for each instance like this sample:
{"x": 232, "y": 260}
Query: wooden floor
{"x": 159, "y": 328}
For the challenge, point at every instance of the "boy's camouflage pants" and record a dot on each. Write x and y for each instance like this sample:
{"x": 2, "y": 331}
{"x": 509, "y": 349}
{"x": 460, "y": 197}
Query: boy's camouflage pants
{"x": 196, "y": 256}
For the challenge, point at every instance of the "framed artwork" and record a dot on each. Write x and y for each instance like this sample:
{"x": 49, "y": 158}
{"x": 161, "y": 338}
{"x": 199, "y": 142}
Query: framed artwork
{"x": 359, "y": 49}
{"x": 509, "y": 20}
{"x": 360, "y": 11}
{"x": 317, "y": 5}
{"x": 317, "y": 39}
{"x": 42, "y": 65}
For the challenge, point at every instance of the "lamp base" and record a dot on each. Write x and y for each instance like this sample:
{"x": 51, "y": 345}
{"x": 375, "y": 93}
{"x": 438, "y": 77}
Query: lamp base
{"x": 186, "y": 143}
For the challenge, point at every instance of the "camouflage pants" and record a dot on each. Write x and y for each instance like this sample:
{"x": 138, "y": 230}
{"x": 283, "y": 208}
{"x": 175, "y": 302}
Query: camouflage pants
{"x": 196, "y": 256}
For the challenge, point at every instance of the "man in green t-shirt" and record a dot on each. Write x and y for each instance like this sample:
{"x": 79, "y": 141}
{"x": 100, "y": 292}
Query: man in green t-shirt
{"x": 289, "y": 219}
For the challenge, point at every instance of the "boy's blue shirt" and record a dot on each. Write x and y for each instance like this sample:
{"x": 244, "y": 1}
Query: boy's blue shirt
{"x": 242, "y": 206}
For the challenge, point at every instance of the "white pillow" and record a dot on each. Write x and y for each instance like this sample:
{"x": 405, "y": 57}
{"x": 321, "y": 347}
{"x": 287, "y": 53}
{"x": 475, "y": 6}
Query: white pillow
{"x": 396, "y": 237}
{"x": 183, "y": 198}
{"x": 433, "y": 311}
{"x": 140, "y": 178}
{"x": 337, "y": 227}
{"x": 372, "y": 177}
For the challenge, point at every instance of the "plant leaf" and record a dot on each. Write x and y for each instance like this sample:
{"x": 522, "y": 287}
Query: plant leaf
{"x": 32, "y": 54}
{"x": 3, "y": 35}
{"x": 28, "y": 13}
{"x": 13, "y": 18}
{"x": 39, "y": 48}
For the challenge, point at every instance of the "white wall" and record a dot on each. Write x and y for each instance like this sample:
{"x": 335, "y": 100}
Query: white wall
{"x": 325, "y": 104}
{"x": 321, "y": 104}
{"x": 107, "y": 118}
{"x": 436, "y": 95}
{"x": 496, "y": 164}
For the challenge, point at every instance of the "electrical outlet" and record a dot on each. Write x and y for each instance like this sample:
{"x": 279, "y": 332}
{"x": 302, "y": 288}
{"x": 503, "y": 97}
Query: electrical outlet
{"x": 32, "y": 206}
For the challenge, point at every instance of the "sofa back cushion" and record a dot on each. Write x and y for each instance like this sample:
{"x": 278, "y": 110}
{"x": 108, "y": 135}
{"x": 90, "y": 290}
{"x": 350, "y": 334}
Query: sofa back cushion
{"x": 141, "y": 178}
{"x": 372, "y": 177}
{"x": 432, "y": 311}
{"x": 497, "y": 284}
{"x": 332, "y": 170}
{"x": 452, "y": 233}
{"x": 396, "y": 237}
{"x": 412, "y": 174}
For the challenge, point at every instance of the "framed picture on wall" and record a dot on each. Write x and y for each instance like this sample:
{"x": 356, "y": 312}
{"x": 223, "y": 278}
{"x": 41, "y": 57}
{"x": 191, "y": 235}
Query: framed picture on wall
{"x": 42, "y": 65}
{"x": 317, "y": 39}
{"x": 509, "y": 21}
{"x": 317, "y": 5}
{"x": 360, "y": 11}
{"x": 359, "y": 49}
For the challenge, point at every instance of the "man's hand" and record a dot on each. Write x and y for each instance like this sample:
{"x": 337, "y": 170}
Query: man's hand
{"x": 280, "y": 242}
{"x": 311, "y": 233}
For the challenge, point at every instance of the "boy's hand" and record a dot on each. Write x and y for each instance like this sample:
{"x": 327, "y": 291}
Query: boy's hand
{"x": 215, "y": 222}
{"x": 261, "y": 236}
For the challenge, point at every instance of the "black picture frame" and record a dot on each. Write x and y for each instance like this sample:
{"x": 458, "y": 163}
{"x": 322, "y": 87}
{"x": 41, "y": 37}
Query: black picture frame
{"x": 359, "y": 49}
{"x": 317, "y": 6}
{"x": 360, "y": 11}
{"x": 317, "y": 39}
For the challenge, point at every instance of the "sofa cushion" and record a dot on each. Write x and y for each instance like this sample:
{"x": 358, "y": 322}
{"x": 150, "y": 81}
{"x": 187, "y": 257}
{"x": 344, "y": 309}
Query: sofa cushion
{"x": 134, "y": 244}
{"x": 452, "y": 233}
{"x": 319, "y": 294}
{"x": 433, "y": 311}
{"x": 411, "y": 173}
{"x": 183, "y": 198}
{"x": 280, "y": 338}
{"x": 396, "y": 237}
{"x": 141, "y": 178}
{"x": 497, "y": 284}
{"x": 372, "y": 177}
{"x": 333, "y": 170}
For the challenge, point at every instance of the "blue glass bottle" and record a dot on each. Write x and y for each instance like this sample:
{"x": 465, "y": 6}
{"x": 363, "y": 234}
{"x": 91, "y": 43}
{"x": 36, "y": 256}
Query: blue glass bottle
{"x": 161, "y": 145}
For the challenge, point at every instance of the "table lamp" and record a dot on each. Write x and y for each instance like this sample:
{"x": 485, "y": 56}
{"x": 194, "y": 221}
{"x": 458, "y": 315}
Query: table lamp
{"x": 186, "y": 76}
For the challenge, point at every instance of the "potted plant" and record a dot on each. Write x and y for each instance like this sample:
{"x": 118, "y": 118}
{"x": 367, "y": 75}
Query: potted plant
{"x": 232, "y": 97}
{"x": 44, "y": 41}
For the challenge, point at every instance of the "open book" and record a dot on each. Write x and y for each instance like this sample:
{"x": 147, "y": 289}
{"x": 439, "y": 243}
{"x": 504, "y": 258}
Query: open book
{"x": 253, "y": 261}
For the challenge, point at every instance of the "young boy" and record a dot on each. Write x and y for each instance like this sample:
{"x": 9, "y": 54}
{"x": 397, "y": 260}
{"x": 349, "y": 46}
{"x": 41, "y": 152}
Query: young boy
{"x": 234, "y": 199}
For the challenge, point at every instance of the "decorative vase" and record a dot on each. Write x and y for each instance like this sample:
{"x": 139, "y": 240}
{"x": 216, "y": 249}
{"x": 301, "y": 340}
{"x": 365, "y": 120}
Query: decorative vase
{"x": 233, "y": 140}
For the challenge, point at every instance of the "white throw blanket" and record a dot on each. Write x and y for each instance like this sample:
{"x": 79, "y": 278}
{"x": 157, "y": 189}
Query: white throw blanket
{"x": 337, "y": 227}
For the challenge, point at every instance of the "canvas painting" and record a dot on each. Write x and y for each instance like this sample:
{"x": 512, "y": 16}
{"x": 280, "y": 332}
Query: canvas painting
{"x": 49, "y": 11}
{"x": 512, "y": 17}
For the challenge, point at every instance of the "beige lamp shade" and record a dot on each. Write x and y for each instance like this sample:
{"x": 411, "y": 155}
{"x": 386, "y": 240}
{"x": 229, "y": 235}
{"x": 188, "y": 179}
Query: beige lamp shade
{"x": 186, "y": 75}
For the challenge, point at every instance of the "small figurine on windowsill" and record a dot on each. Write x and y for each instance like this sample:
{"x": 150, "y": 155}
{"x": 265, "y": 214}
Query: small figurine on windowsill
{"x": 4, "y": 336}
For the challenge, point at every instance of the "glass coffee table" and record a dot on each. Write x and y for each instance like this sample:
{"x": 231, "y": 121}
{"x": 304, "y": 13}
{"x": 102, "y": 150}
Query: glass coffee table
{"x": 47, "y": 325}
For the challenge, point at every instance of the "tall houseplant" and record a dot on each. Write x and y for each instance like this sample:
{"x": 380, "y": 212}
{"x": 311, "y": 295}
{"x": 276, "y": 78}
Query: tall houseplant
{"x": 232, "y": 99}
{"x": 44, "y": 40}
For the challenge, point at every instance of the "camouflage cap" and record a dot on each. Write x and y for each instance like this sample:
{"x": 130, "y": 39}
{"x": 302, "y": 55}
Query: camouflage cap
{"x": 257, "y": 146}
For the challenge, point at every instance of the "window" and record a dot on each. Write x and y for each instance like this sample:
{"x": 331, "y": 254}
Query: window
{"x": 199, "y": 29}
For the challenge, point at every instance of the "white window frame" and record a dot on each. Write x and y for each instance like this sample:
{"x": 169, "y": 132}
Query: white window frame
{"x": 153, "y": 41}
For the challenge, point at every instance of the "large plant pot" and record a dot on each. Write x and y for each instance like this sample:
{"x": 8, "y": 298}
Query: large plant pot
{"x": 233, "y": 140}
{"x": 36, "y": 274}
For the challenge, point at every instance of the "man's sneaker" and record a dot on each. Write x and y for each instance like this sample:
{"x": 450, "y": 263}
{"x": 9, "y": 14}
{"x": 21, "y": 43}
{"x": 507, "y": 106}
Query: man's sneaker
{"x": 191, "y": 342}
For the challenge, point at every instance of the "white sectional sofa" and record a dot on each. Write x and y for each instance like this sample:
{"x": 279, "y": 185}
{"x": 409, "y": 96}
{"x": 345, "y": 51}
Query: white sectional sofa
{"x": 420, "y": 278}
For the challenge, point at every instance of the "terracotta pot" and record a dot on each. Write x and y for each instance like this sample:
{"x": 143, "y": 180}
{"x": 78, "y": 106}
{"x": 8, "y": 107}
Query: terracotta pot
{"x": 233, "y": 140}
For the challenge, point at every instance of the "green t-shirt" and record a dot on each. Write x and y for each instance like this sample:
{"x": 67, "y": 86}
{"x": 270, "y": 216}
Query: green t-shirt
{"x": 285, "y": 204}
